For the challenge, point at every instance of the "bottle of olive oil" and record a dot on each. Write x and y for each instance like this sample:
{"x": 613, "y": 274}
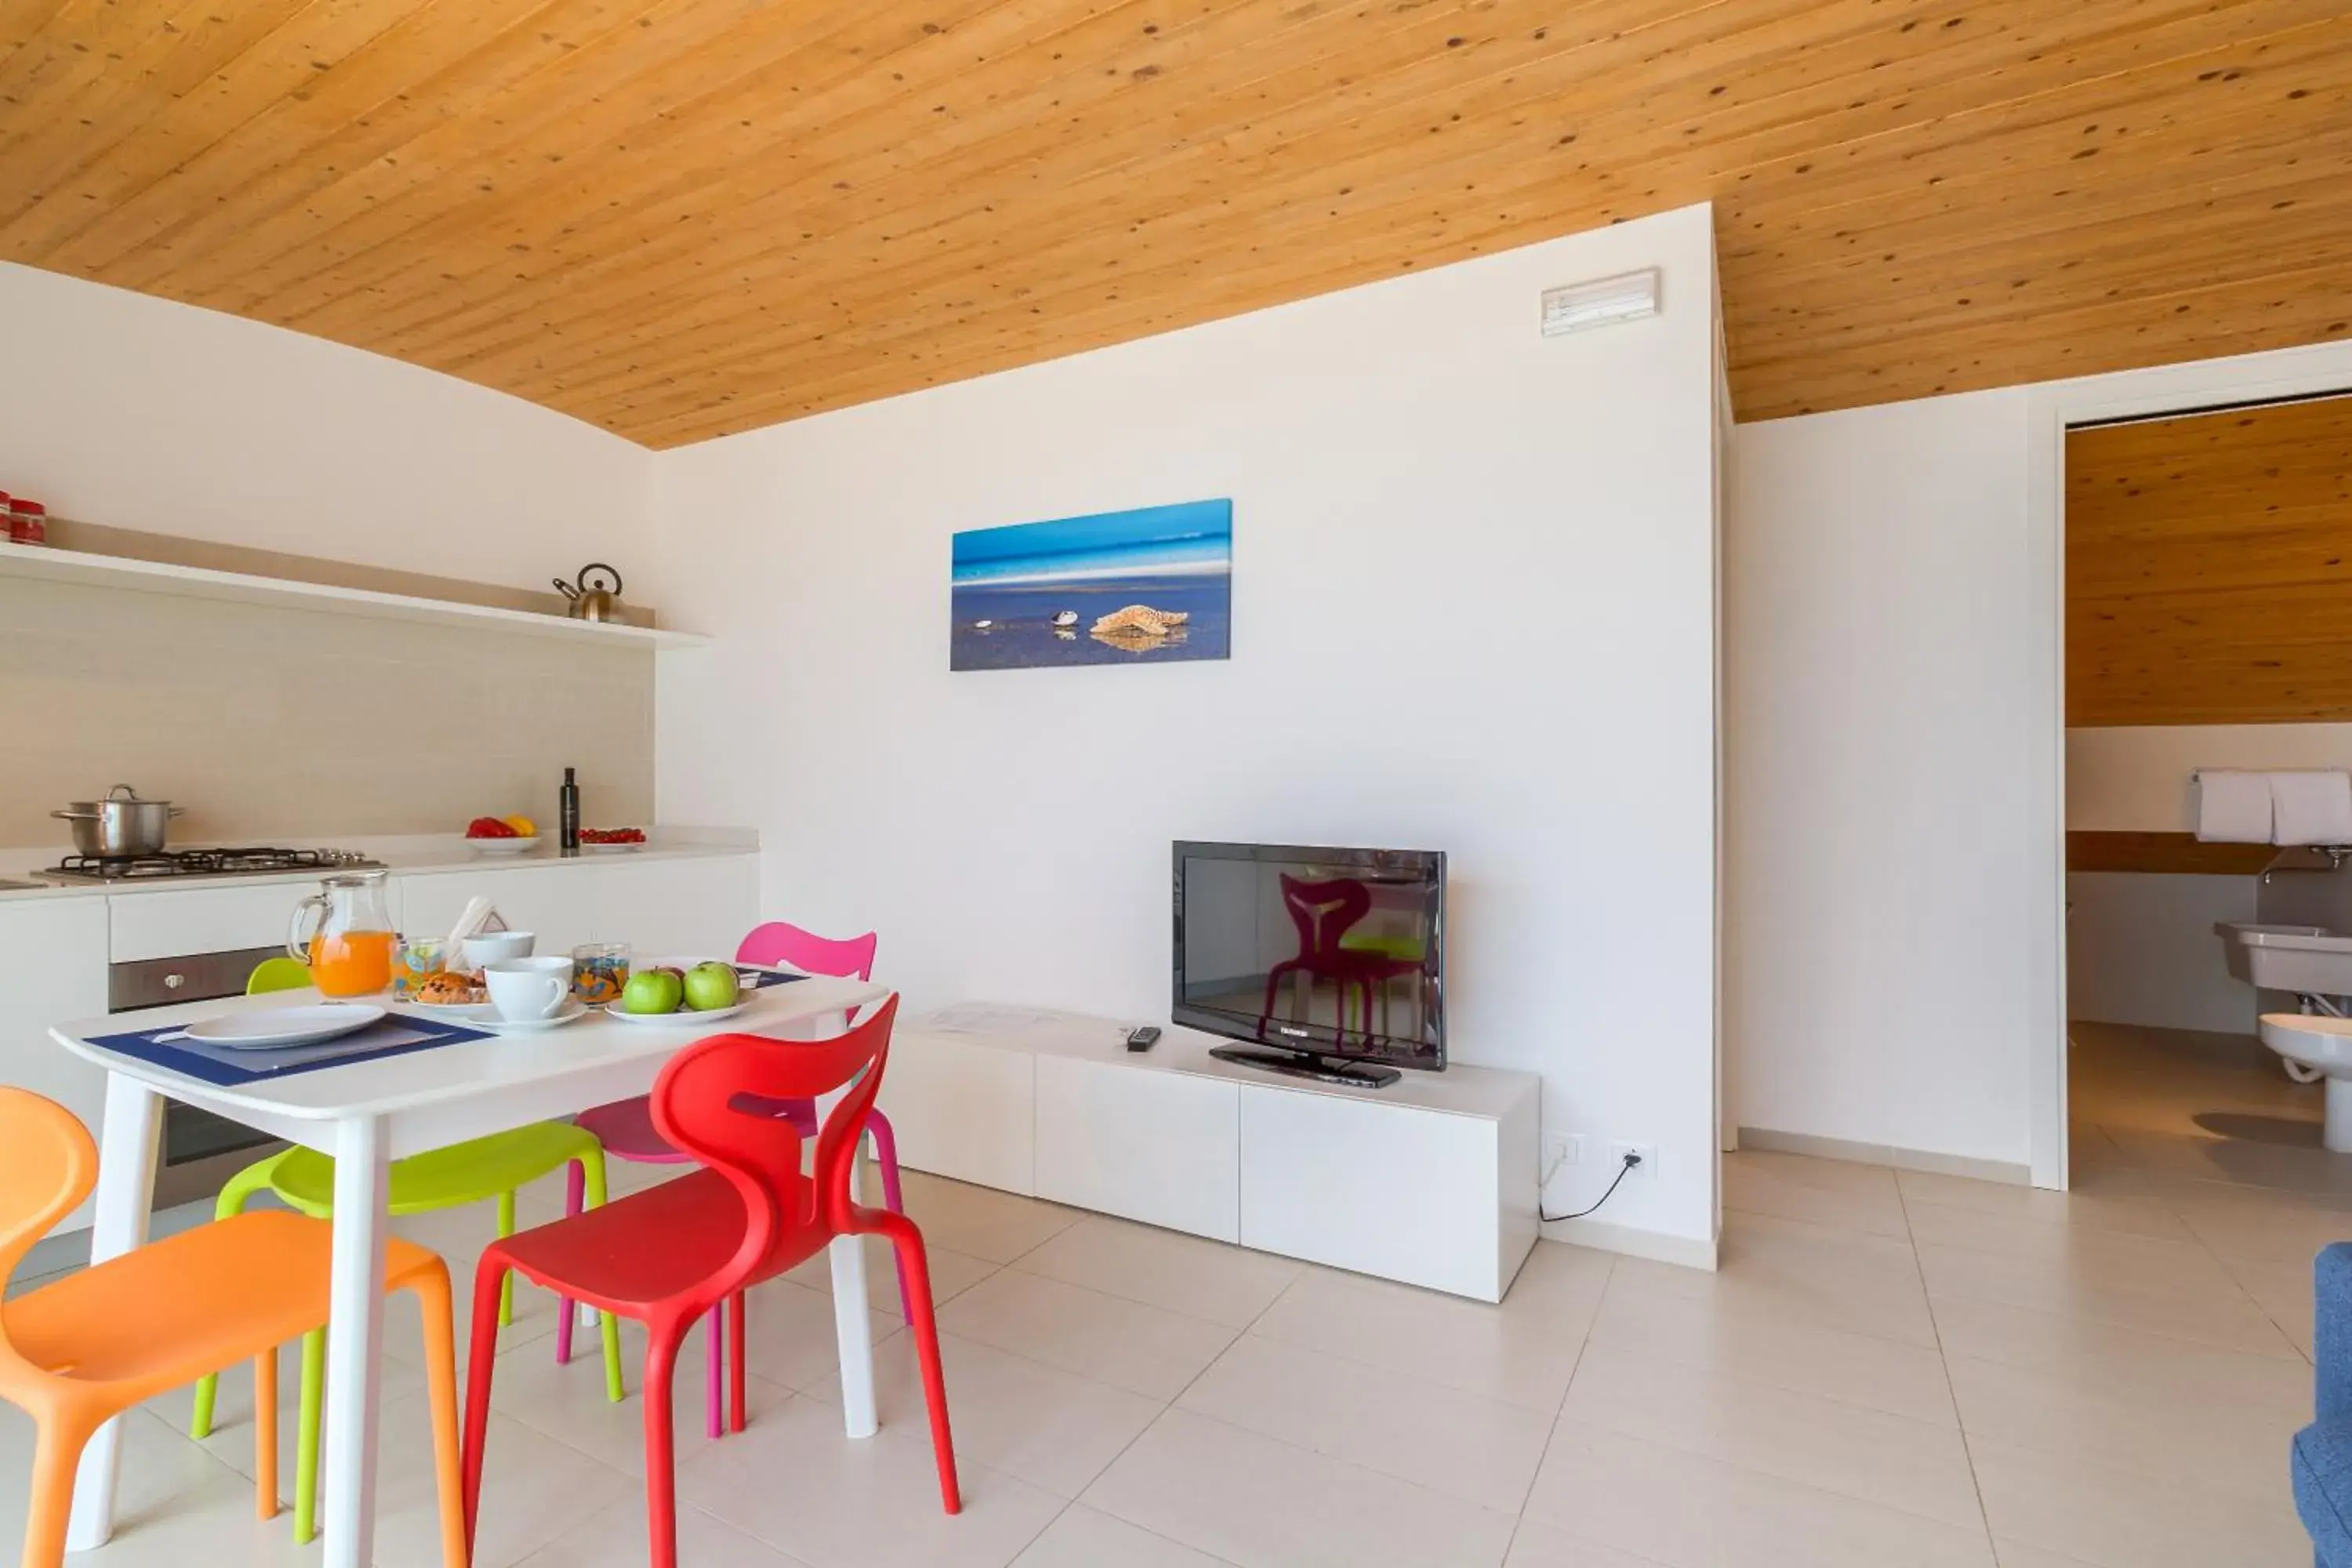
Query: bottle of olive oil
{"x": 567, "y": 813}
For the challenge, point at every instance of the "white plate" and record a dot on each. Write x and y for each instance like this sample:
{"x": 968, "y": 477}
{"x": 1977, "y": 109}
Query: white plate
{"x": 588, "y": 848}
{"x": 454, "y": 1010}
{"x": 275, "y": 1028}
{"x": 573, "y": 1011}
{"x": 503, "y": 846}
{"x": 683, "y": 1016}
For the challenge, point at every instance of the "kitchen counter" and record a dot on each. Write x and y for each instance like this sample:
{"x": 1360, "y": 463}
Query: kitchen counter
{"x": 411, "y": 853}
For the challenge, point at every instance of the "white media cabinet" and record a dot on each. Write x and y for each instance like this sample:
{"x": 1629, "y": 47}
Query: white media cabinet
{"x": 1430, "y": 1180}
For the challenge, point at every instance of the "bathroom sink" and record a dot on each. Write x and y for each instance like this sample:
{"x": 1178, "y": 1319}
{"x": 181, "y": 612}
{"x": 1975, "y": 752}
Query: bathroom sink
{"x": 2310, "y": 960}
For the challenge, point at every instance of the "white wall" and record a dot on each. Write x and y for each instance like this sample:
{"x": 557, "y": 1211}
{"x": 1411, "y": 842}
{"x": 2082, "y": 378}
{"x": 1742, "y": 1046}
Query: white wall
{"x": 1472, "y": 611}
{"x": 133, "y": 412}
{"x": 1895, "y": 786}
{"x": 2135, "y": 778}
{"x": 2140, "y": 949}
{"x": 1875, "y": 570}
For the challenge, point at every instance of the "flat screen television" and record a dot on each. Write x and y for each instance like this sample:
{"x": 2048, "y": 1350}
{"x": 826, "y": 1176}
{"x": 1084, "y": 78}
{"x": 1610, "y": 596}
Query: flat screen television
{"x": 1334, "y": 957}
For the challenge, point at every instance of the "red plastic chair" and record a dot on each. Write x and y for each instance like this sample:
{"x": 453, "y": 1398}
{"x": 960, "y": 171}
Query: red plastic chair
{"x": 671, "y": 1253}
{"x": 626, "y": 1127}
{"x": 1324, "y": 913}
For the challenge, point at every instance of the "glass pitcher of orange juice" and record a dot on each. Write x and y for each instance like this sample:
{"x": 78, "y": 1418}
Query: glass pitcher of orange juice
{"x": 350, "y": 953}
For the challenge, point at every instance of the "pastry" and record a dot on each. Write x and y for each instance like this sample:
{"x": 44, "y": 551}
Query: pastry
{"x": 448, "y": 988}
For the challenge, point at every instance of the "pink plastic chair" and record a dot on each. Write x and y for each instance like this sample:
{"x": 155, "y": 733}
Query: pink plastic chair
{"x": 626, "y": 1130}
{"x": 1324, "y": 913}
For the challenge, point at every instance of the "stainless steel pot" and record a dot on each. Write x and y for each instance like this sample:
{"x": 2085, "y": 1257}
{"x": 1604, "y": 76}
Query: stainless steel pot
{"x": 120, "y": 826}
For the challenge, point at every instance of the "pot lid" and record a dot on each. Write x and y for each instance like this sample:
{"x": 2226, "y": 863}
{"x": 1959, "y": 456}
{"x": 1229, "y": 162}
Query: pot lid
{"x": 120, "y": 795}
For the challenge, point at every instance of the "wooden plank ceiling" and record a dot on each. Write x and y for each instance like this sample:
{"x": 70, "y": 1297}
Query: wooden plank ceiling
{"x": 696, "y": 216}
{"x": 2209, "y": 569}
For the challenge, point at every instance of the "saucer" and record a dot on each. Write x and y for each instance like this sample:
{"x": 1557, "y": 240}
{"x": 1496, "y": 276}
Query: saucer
{"x": 573, "y": 1011}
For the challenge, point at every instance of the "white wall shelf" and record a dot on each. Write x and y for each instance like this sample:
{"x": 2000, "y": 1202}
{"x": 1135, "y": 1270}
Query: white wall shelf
{"x": 46, "y": 564}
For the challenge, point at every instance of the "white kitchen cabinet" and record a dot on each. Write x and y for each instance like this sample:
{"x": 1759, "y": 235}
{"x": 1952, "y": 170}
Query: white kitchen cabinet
{"x": 182, "y": 922}
{"x": 550, "y": 901}
{"x": 1159, "y": 1147}
{"x": 53, "y": 955}
{"x": 697, "y": 906}
{"x": 662, "y": 908}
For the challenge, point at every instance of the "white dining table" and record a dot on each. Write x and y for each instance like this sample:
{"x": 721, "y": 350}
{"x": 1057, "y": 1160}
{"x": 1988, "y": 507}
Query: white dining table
{"x": 367, "y": 1114}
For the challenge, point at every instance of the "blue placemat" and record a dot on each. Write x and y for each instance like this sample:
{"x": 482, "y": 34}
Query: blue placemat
{"x": 760, "y": 979}
{"x": 165, "y": 1047}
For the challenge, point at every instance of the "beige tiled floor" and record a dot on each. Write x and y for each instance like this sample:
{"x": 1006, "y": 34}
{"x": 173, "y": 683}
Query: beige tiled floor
{"x": 1890, "y": 1371}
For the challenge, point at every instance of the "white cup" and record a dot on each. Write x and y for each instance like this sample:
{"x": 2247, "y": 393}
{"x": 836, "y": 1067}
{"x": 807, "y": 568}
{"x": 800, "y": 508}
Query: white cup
{"x": 526, "y": 988}
{"x": 478, "y": 952}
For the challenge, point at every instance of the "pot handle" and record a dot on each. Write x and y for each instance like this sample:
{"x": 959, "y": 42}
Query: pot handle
{"x": 299, "y": 951}
{"x": 75, "y": 816}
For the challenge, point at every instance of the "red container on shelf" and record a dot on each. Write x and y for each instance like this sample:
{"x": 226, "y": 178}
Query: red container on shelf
{"x": 28, "y": 521}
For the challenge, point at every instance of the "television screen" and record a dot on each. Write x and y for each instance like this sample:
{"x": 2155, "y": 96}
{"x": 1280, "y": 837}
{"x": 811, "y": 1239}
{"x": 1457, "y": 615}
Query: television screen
{"x": 1330, "y": 953}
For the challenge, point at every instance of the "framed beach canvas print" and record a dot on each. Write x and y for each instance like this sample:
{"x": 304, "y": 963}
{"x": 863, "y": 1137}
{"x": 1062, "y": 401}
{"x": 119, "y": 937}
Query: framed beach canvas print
{"x": 1118, "y": 587}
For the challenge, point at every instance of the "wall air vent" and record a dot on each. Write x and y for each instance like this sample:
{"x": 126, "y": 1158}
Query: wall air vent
{"x": 1602, "y": 302}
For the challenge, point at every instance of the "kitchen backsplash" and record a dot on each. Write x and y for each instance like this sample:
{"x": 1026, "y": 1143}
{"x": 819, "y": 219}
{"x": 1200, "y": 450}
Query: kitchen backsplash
{"x": 273, "y": 724}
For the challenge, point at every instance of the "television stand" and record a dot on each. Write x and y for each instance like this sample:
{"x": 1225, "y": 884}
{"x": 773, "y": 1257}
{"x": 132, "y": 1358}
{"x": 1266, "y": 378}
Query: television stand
{"x": 1430, "y": 1181}
{"x": 1322, "y": 1069}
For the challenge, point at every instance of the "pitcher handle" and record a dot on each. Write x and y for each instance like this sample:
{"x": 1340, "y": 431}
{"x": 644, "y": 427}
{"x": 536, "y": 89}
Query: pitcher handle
{"x": 300, "y": 950}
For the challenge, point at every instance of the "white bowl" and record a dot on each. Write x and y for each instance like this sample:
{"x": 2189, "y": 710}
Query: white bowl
{"x": 477, "y": 953}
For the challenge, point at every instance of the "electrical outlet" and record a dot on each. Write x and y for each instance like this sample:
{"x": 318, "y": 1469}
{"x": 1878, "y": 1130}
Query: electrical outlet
{"x": 1560, "y": 1150}
{"x": 1642, "y": 1172}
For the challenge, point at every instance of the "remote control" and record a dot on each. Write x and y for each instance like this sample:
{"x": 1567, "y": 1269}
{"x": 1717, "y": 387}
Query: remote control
{"x": 1143, "y": 1038}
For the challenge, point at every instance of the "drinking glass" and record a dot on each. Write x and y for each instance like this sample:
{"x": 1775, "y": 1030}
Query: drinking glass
{"x": 411, "y": 962}
{"x": 598, "y": 970}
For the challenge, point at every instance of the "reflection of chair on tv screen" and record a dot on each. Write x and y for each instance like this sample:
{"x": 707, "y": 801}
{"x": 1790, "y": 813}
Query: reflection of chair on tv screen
{"x": 1359, "y": 965}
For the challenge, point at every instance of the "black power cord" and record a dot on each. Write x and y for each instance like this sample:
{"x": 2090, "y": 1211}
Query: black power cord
{"x": 1623, "y": 1171}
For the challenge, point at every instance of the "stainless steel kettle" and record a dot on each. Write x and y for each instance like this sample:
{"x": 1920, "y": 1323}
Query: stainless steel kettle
{"x": 589, "y": 601}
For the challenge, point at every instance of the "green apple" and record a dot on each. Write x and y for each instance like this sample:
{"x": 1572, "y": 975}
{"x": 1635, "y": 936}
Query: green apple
{"x": 712, "y": 985}
{"x": 651, "y": 991}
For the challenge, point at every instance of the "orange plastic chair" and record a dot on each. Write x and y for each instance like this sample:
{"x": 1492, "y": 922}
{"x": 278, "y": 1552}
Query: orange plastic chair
{"x": 76, "y": 1353}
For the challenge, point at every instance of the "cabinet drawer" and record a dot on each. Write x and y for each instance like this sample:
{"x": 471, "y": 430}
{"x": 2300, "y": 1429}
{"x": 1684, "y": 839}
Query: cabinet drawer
{"x": 962, "y": 1110}
{"x": 1158, "y": 1147}
{"x": 1396, "y": 1191}
{"x": 187, "y": 920}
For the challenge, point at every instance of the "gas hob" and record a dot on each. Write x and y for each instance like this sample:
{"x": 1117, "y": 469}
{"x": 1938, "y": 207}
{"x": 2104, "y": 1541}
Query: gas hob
{"x": 250, "y": 861}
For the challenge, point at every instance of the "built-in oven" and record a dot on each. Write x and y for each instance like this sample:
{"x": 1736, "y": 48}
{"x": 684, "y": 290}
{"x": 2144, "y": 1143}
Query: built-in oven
{"x": 201, "y": 1150}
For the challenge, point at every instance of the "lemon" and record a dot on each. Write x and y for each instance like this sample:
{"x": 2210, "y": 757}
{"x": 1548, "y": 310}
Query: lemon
{"x": 523, "y": 825}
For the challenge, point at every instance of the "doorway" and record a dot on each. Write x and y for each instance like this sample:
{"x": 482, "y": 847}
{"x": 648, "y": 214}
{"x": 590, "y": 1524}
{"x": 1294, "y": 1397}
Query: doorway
{"x": 2208, "y": 616}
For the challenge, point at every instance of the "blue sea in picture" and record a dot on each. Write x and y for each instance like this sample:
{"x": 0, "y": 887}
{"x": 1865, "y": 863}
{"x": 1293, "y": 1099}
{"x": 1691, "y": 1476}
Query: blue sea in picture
{"x": 1119, "y": 587}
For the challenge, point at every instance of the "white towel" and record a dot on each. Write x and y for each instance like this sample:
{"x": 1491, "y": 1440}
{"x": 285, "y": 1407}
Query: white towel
{"x": 2311, "y": 806}
{"x": 2233, "y": 807}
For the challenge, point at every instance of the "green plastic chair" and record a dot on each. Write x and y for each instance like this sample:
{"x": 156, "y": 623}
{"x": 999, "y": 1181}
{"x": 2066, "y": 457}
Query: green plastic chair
{"x": 462, "y": 1173}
